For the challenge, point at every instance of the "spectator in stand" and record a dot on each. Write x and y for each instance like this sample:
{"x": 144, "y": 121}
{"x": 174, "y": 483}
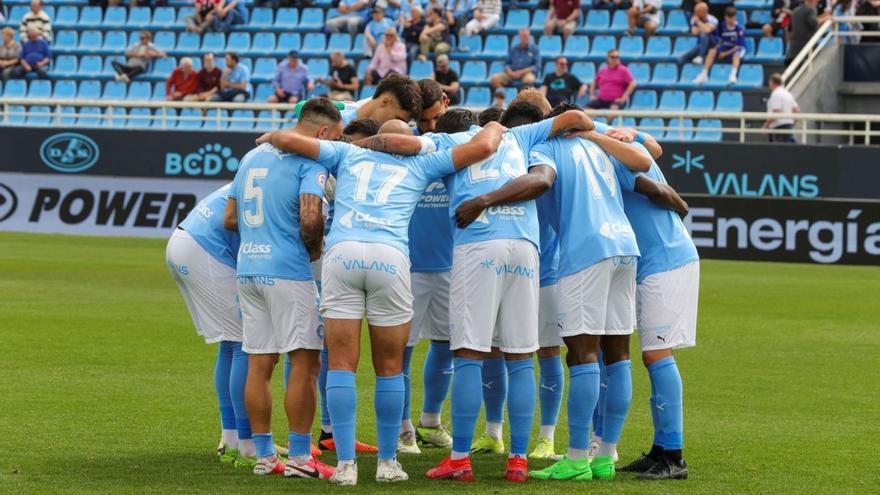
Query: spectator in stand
{"x": 781, "y": 19}
{"x": 36, "y": 18}
{"x": 292, "y": 80}
{"x": 183, "y": 83}
{"x": 804, "y": 23}
{"x": 10, "y": 54}
{"x": 486, "y": 15}
{"x": 203, "y": 17}
{"x": 780, "y": 101}
{"x": 729, "y": 44}
{"x": 458, "y": 12}
{"x": 523, "y": 63}
{"x": 644, "y": 14}
{"x": 412, "y": 30}
{"x": 703, "y": 24}
{"x": 393, "y": 8}
{"x": 235, "y": 83}
{"x": 352, "y": 16}
{"x": 448, "y": 79}
{"x": 435, "y": 35}
{"x": 561, "y": 85}
{"x": 343, "y": 82}
{"x": 35, "y": 56}
{"x": 499, "y": 98}
{"x": 613, "y": 84}
{"x": 375, "y": 30}
{"x": 208, "y": 78}
{"x": 230, "y": 14}
{"x": 139, "y": 57}
{"x": 390, "y": 58}
{"x": 563, "y": 17}
{"x": 611, "y": 4}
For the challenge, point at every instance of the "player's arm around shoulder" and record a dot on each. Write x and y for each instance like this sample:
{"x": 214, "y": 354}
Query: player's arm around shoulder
{"x": 311, "y": 223}
{"x": 230, "y": 215}
{"x": 634, "y": 158}
{"x": 661, "y": 194}
{"x": 292, "y": 142}
{"x": 482, "y": 146}
{"x": 398, "y": 144}
{"x": 571, "y": 121}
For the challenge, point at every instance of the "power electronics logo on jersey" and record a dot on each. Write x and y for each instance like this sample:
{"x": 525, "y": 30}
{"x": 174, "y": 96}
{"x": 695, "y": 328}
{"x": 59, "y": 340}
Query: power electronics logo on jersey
{"x": 209, "y": 161}
{"x": 435, "y": 196}
{"x": 69, "y": 152}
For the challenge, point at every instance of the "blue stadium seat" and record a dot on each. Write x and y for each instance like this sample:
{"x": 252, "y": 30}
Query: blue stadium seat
{"x": 652, "y": 126}
{"x": 287, "y": 18}
{"x": 319, "y": 67}
{"x": 576, "y": 47}
{"x": 164, "y": 40}
{"x": 265, "y": 120}
{"x": 134, "y": 37}
{"x": 497, "y": 66}
{"x": 741, "y": 17}
{"x": 114, "y": 40}
{"x": 139, "y": 17}
{"x": 88, "y": 90}
{"x": 641, "y": 72}
{"x": 114, "y": 90}
{"x": 182, "y": 14}
{"x": 597, "y": 21}
{"x": 64, "y": 89}
{"x": 421, "y": 69}
{"x": 683, "y": 44}
{"x": 264, "y": 68}
{"x": 67, "y": 118}
{"x": 658, "y": 48}
{"x": 339, "y": 41}
{"x": 263, "y": 43}
{"x": 679, "y": 130}
{"x": 719, "y": 75}
{"x": 238, "y": 42}
{"x": 708, "y": 130}
{"x": 472, "y": 44}
{"x": 701, "y": 101}
{"x": 140, "y": 118}
{"x": 213, "y": 42}
{"x": 190, "y": 118}
{"x": 39, "y": 115}
{"x": 643, "y": 99}
{"x": 761, "y": 17}
{"x": 264, "y": 91}
{"x": 289, "y": 41}
{"x": 550, "y": 46}
{"x": 665, "y": 74}
{"x": 473, "y": 72}
{"x": 362, "y": 68}
{"x": 189, "y": 42}
{"x": 247, "y": 122}
{"x": 516, "y": 20}
{"x": 312, "y": 19}
{"x": 601, "y": 45}
{"x": 623, "y": 122}
{"x": 672, "y": 100}
{"x": 314, "y": 44}
{"x": 367, "y": 91}
{"x": 90, "y": 66}
{"x": 261, "y": 17}
{"x": 676, "y": 22}
{"x": 116, "y": 117}
{"x": 619, "y": 22}
{"x": 16, "y": 115}
{"x": 64, "y": 66}
{"x": 750, "y": 76}
{"x": 631, "y": 47}
{"x": 162, "y": 67}
{"x": 90, "y": 17}
{"x": 40, "y": 89}
{"x": 140, "y": 91}
{"x": 158, "y": 92}
{"x": 538, "y": 20}
{"x": 217, "y": 118}
{"x": 163, "y": 16}
{"x": 65, "y": 40}
{"x": 16, "y": 12}
{"x": 89, "y": 117}
{"x": 497, "y": 45}
{"x": 689, "y": 72}
{"x": 91, "y": 41}
{"x": 357, "y": 50}
{"x": 68, "y": 15}
{"x": 478, "y": 97}
{"x": 510, "y": 94}
{"x": 165, "y": 118}
{"x": 769, "y": 50}
{"x": 115, "y": 16}
{"x": 729, "y": 101}
{"x": 549, "y": 67}
{"x": 750, "y": 47}
{"x": 585, "y": 71}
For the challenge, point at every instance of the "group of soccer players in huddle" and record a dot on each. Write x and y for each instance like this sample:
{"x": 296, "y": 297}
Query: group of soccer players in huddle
{"x": 497, "y": 237}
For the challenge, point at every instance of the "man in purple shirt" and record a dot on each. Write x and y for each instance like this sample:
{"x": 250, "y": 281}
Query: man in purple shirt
{"x": 291, "y": 80}
{"x": 35, "y": 56}
{"x": 613, "y": 84}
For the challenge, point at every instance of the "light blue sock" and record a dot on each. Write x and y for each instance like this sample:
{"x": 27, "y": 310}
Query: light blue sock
{"x": 222, "y": 370}
{"x": 342, "y": 404}
{"x": 299, "y": 444}
{"x": 494, "y": 389}
{"x": 467, "y": 394}
{"x": 600, "y": 404}
{"x": 668, "y": 402}
{"x": 520, "y": 403}
{"x": 407, "y": 383}
{"x": 583, "y": 395}
{"x": 437, "y": 377}
{"x": 237, "y": 379}
{"x": 655, "y": 420}
{"x": 264, "y": 444}
{"x": 322, "y": 387}
{"x": 618, "y": 396}
{"x": 388, "y": 402}
{"x": 552, "y": 385}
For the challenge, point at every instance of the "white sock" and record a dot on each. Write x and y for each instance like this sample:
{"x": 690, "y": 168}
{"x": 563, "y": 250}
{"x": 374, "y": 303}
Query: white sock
{"x": 230, "y": 438}
{"x": 512, "y": 455}
{"x": 704, "y": 73}
{"x": 327, "y": 428}
{"x": 406, "y": 425}
{"x": 429, "y": 420}
{"x": 547, "y": 431}
{"x": 607, "y": 449}
{"x": 247, "y": 448}
{"x": 301, "y": 459}
{"x": 344, "y": 463}
{"x": 458, "y": 455}
{"x": 577, "y": 453}
{"x": 494, "y": 430}
{"x": 596, "y": 439}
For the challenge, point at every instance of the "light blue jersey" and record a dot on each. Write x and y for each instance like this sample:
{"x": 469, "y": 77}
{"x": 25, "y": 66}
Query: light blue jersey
{"x": 663, "y": 239}
{"x": 376, "y": 193}
{"x": 513, "y": 221}
{"x": 205, "y": 225}
{"x": 349, "y": 113}
{"x": 549, "y": 254}
{"x": 430, "y": 232}
{"x": 589, "y": 215}
{"x": 267, "y": 188}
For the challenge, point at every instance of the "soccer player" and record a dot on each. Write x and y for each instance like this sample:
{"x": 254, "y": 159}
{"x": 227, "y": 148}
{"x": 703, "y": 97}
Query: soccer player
{"x": 396, "y": 97}
{"x": 366, "y": 270}
{"x": 361, "y": 128}
{"x": 668, "y": 278}
{"x": 201, "y": 256}
{"x": 276, "y": 204}
{"x": 494, "y": 289}
{"x": 435, "y": 103}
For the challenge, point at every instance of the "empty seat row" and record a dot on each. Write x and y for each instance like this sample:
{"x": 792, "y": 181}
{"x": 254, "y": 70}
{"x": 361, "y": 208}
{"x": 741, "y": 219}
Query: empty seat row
{"x": 677, "y": 101}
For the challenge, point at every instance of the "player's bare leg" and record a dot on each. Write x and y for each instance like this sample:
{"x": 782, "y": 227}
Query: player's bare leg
{"x": 299, "y": 403}
{"x": 258, "y": 401}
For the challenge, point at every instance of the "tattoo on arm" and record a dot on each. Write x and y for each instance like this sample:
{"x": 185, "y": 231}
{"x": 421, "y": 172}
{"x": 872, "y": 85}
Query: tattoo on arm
{"x": 311, "y": 224}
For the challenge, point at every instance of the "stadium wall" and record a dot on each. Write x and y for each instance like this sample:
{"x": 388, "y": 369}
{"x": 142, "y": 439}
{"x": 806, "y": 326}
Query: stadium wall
{"x": 748, "y": 201}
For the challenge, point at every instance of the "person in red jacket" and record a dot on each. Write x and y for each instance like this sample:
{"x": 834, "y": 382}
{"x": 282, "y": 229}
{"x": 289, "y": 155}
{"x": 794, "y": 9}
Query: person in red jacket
{"x": 183, "y": 83}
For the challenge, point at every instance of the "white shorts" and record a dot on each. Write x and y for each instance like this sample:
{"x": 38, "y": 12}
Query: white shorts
{"x": 548, "y": 317}
{"x": 279, "y": 315}
{"x": 430, "y": 307}
{"x": 655, "y": 18}
{"x": 366, "y": 278}
{"x": 666, "y": 305}
{"x": 208, "y": 288}
{"x": 493, "y": 297}
{"x": 600, "y": 299}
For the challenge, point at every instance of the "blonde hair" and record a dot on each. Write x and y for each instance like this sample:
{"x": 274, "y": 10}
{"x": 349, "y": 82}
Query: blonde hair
{"x": 533, "y": 96}
{"x": 8, "y": 31}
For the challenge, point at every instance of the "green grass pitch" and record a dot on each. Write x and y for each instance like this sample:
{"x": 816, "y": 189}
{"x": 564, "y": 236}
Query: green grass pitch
{"x": 105, "y": 387}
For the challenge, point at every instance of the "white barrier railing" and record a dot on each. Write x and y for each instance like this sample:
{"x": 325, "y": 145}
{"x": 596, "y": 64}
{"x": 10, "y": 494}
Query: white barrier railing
{"x": 827, "y": 32}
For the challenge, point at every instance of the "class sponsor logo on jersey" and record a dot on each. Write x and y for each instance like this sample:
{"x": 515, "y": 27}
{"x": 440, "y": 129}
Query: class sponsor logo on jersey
{"x": 502, "y": 213}
{"x": 207, "y": 161}
{"x": 614, "y": 230}
{"x": 108, "y": 207}
{"x": 364, "y": 219}
{"x": 435, "y": 196}
{"x": 255, "y": 250}
{"x": 8, "y": 202}
{"x": 69, "y": 152}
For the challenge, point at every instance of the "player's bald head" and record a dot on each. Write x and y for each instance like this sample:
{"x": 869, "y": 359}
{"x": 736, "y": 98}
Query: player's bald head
{"x": 535, "y": 98}
{"x": 395, "y": 126}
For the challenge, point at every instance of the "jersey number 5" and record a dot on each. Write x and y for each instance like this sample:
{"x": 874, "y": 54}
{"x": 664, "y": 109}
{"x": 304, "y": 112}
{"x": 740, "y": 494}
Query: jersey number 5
{"x": 253, "y": 217}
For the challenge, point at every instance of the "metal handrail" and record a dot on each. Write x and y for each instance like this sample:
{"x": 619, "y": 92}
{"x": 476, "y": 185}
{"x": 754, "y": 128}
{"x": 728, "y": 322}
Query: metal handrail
{"x": 803, "y": 61}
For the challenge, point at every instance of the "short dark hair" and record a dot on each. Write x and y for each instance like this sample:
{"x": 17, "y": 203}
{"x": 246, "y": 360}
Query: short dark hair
{"x": 234, "y": 56}
{"x": 367, "y": 127}
{"x": 431, "y": 91}
{"x": 521, "y": 113}
{"x": 320, "y": 110}
{"x": 562, "y": 108}
{"x": 730, "y": 11}
{"x": 404, "y": 89}
{"x": 491, "y": 114}
{"x": 456, "y": 120}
